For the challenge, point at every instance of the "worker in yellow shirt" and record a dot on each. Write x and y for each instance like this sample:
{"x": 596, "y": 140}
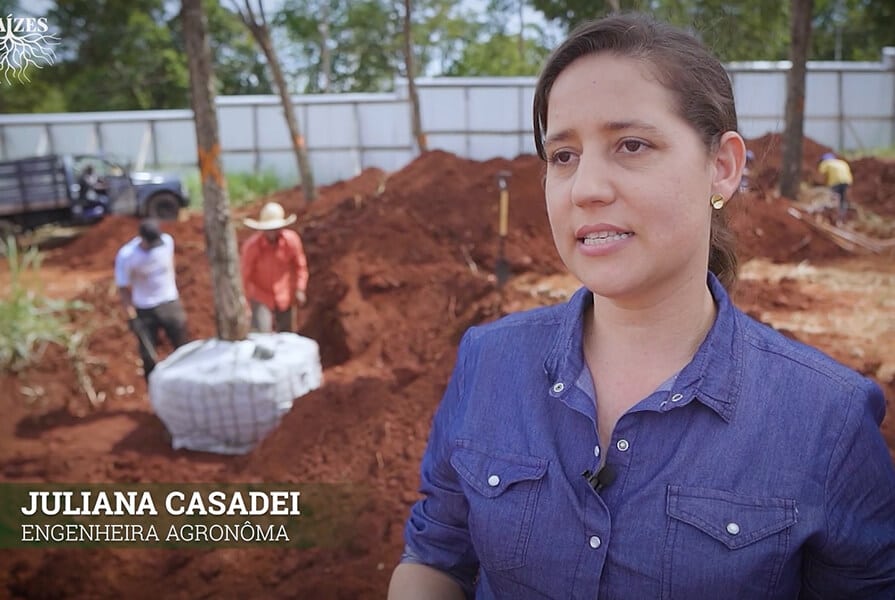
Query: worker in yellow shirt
{"x": 837, "y": 176}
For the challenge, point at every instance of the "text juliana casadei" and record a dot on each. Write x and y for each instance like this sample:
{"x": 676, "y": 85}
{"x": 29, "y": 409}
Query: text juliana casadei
{"x": 157, "y": 515}
{"x": 176, "y": 503}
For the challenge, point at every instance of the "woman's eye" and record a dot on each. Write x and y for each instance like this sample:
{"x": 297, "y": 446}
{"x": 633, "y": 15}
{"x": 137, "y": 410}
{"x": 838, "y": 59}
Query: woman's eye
{"x": 562, "y": 157}
{"x": 633, "y": 145}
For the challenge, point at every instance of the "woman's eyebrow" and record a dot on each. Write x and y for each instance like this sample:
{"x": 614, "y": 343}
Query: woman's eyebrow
{"x": 559, "y": 136}
{"x": 630, "y": 124}
{"x": 611, "y": 126}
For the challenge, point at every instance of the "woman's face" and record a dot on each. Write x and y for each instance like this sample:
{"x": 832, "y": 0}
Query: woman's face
{"x": 628, "y": 181}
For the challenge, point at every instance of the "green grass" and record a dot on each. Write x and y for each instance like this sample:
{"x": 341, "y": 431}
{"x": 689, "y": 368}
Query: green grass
{"x": 243, "y": 188}
{"x": 28, "y": 320}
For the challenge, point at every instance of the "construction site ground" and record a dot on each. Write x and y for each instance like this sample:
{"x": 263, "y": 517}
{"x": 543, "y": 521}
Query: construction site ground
{"x": 400, "y": 265}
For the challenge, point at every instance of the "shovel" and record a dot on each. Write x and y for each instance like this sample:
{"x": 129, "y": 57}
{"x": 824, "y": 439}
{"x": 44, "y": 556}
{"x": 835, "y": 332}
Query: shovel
{"x": 502, "y": 269}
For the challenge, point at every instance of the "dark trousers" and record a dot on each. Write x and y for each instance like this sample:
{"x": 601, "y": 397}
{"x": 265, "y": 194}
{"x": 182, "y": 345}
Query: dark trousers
{"x": 169, "y": 317}
{"x": 841, "y": 190}
{"x": 264, "y": 319}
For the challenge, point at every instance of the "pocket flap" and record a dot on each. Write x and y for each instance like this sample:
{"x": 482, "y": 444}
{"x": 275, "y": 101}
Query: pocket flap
{"x": 732, "y": 519}
{"x": 490, "y": 473}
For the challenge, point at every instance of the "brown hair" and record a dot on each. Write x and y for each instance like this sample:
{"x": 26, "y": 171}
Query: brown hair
{"x": 685, "y": 67}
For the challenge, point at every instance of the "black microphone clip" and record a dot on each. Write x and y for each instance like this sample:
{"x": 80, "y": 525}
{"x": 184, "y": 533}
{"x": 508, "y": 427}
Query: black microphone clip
{"x": 601, "y": 478}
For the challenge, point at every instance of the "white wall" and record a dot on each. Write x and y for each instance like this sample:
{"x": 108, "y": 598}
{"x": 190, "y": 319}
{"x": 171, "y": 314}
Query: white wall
{"x": 848, "y": 106}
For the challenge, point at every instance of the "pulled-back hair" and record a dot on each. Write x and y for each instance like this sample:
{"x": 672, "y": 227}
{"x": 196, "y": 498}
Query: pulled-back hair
{"x": 696, "y": 79}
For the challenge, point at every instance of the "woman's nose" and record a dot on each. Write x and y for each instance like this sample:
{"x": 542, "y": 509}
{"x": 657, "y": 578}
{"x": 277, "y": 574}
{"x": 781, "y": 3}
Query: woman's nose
{"x": 592, "y": 183}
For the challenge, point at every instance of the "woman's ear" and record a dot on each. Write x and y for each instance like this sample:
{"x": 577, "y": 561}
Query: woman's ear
{"x": 728, "y": 162}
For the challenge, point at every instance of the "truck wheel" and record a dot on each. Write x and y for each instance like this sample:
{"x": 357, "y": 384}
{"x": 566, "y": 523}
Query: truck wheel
{"x": 163, "y": 206}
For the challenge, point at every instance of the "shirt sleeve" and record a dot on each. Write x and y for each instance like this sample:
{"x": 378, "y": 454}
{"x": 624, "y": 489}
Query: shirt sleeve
{"x": 437, "y": 534}
{"x": 122, "y": 273}
{"x": 857, "y": 557}
{"x": 301, "y": 265}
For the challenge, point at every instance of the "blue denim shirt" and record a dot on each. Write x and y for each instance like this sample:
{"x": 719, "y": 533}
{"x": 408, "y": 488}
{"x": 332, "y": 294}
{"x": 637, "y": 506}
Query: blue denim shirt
{"x": 759, "y": 472}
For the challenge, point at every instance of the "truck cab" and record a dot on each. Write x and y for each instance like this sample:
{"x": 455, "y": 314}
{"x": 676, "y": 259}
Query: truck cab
{"x": 137, "y": 193}
{"x": 47, "y": 189}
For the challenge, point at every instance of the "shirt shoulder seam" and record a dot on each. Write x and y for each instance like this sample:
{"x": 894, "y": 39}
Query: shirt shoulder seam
{"x": 801, "y": 358}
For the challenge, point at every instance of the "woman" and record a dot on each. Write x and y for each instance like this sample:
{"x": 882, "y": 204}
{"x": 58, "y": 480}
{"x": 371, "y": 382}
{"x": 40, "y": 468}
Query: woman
{"x": 647, "y": 439}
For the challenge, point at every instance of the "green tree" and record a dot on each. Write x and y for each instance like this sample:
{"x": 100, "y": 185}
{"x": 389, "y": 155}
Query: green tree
{"x": 129, "y": 54}
{"x": 361, "y": 38}
{"x": 441, "y": 31}
{"x": 239, "y": 67}
{"x": 37, "y": 90}
{"x": 41, "y": 94}
{"x": 852, "y": 29}
{"x": 733, "y": 29}
{"x": 119, "y": 54}
{"x": 499, "y": 55}
{"x": 572, "y": 12}
{"x": 501, "y": 43}
{"x": 756, "y": 29}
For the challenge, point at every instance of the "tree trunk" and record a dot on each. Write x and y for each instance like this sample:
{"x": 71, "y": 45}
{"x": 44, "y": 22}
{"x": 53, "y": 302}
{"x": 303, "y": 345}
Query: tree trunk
{"x": 325, "y": 54}
{"x": 800, "y": 32}
{"x": 614, "y": 5}
{"x": 416, "y": 122}
{"x": 260, "y": 32}
{"x": 231, "y": 316}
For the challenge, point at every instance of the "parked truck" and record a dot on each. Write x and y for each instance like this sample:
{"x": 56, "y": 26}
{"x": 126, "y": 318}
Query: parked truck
{"x": 39, "y": 190}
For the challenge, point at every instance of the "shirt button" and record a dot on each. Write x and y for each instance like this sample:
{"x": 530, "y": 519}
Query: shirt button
{"x": 622, "y": 445}
{"x": 595, "y": 542}
{"x": 558, "y": 387}
{"x": 597, "y": 451}
{"x": 677, "y": 397}
{"x": 733, "y": 528}
{"x": 494, "y": 481}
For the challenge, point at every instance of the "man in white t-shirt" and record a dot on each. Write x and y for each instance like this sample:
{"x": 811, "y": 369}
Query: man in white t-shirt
{"x": 144, "y": 274}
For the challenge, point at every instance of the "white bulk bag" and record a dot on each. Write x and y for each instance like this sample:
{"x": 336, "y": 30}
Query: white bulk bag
{"x": 219, "y": 396}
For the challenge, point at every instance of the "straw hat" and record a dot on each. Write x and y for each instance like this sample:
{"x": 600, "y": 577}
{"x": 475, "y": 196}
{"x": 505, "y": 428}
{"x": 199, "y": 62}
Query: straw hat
{"x": 272, "y": 217}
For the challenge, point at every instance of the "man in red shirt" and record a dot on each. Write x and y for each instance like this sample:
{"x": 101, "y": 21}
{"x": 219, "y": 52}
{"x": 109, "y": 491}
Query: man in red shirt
{"x": 274, "y": 269}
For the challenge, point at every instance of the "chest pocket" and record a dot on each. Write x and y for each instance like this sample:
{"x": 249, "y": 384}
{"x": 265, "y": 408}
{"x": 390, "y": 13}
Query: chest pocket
{"x": 502, "y": 491}
{"x": 718, "y": 542}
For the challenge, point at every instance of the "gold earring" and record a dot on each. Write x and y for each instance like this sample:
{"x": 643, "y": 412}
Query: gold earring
{"x": 717, "y": 201}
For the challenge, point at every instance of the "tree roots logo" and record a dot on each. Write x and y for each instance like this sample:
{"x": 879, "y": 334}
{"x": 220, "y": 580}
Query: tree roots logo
{"x": 24, "y": 43}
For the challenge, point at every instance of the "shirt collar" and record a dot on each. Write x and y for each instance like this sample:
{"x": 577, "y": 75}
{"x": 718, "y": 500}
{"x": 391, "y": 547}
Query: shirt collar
{"x": 713, "y": 377}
